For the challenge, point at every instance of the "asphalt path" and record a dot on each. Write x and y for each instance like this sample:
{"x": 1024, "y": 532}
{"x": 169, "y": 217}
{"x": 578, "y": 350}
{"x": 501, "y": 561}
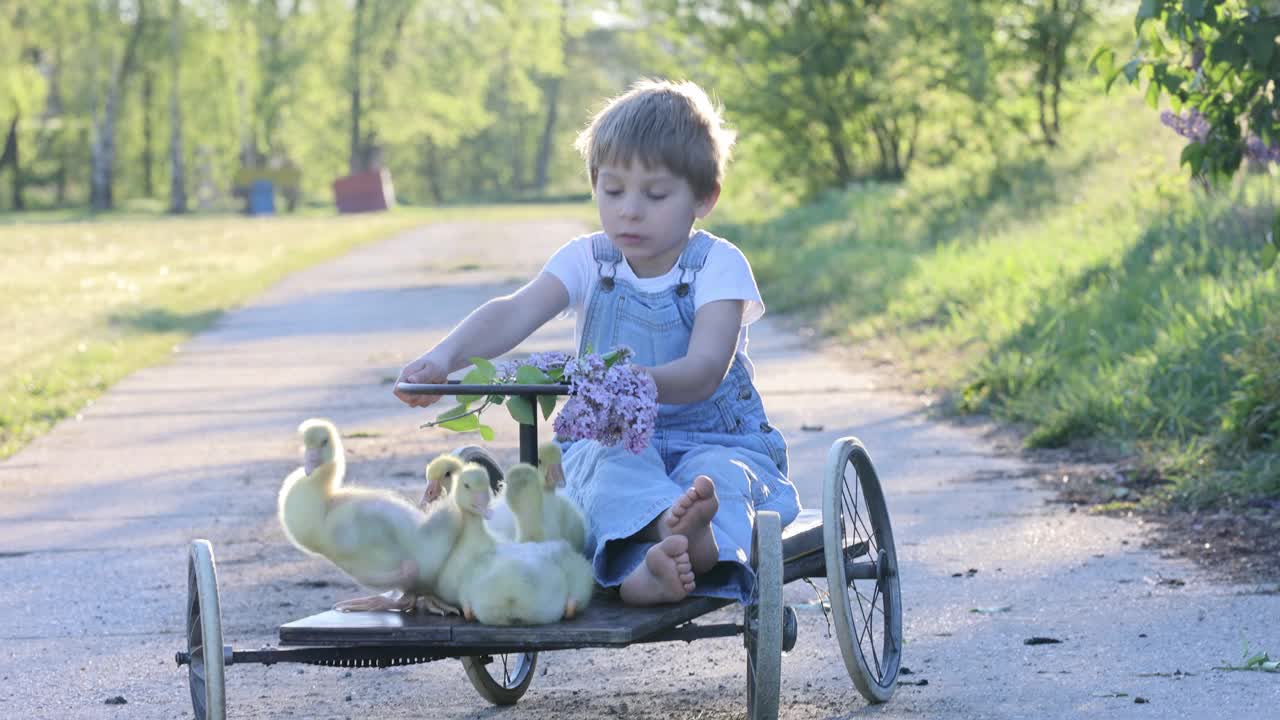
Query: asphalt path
{"x": 96, "y": 517}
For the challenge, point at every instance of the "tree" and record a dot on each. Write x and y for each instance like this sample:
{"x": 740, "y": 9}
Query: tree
{"x": 103, "y": 155}
{"x": 1216, "y": 59}
{"x": 1217, "y": 63}
{"x": 177, "y": 168}
{"x": 1045, "y": 32}
{"x": 22, "y": 86}
{"x": 833, "y": 85}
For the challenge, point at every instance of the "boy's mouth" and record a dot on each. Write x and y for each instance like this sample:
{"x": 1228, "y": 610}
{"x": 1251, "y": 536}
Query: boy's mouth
{"x": 630, "y": 238}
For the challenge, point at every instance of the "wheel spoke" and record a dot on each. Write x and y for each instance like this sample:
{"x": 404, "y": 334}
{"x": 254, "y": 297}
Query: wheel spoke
{"x": 854, "y": 518}
{"x": 875, "y": 606}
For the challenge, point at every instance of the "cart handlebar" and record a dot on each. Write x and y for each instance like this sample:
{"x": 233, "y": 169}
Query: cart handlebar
{"x": 454, "y": 387}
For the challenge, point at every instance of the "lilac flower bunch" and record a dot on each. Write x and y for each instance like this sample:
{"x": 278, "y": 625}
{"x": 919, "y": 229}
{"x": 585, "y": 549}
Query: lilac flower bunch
{"x": 1261, "y": 152}
{"x": 612, "y": 403}
{"x": 547, "y": 362}
{"x": 1191, "y": 125}
{"x": 610, "y": 399}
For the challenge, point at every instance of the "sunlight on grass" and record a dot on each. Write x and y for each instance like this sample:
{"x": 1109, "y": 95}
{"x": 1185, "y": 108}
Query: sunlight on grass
{"x": 1091, "y": 294}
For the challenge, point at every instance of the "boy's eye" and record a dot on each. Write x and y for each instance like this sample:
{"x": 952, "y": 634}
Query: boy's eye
{"x": 612, "y": 193}
{"x": 657, "y": 196}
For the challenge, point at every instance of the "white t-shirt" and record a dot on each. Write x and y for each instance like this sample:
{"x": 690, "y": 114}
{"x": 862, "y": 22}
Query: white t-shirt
{"x": 726, "y": 275}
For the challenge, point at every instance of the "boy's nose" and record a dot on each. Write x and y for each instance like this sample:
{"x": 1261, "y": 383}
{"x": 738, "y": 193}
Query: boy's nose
{"x": 630, "y": 210}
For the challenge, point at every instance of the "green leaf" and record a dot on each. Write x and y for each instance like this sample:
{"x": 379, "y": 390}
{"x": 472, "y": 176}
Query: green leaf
{"x": 1153, "y": 94}
{"x": 1194, "y": 8}
{"x": 1228, "y": 51}
{"x": 1269, "y": 254}
{"x": 521, "y": 409}
{"x": 1103, "y": 60}
{"x": 453, "y": 412}
{"x": 461, "y": 424}
{"x": 530, "y": 375}
{"x": 1271, "y": 250}
{"x": 1260, "y": 41}
{"x": 477, "y": 376}
{"x": 1147, "y": 10}
{"x": 1193, "y": 155}
{"x": 1131, "y": 69}
{"x": 486, "y": 432}
{"x": 1111, "y": 78}
{"x": 490, "y": 372}
{"x": 497, "y": 399}
{"x": 548, "y": 403}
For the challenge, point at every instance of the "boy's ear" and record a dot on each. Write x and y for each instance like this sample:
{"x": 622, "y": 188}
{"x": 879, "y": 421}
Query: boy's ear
{"x": 704, "y": 206}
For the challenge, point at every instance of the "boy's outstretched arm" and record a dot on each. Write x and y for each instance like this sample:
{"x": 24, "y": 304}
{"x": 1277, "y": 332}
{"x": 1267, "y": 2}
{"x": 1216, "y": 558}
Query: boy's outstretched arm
{"x": 712, "y": 345}
{"x": 489, "y": 331}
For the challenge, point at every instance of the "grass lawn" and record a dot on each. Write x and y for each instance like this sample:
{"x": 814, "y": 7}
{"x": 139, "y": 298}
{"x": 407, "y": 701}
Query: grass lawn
{"x": 84, "y": 303}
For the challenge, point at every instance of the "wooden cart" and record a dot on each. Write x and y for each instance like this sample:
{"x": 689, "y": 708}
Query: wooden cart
{"x": 849, "y": 544}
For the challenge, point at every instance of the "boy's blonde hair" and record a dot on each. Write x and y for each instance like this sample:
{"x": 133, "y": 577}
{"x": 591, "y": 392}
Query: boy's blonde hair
{"x": 663, "y": 123}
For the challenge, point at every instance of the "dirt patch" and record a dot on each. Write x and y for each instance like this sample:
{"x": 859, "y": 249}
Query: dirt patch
{"x": 1239, "y": 544}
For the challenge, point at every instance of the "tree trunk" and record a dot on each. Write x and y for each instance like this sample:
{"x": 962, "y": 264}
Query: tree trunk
{"x": 103, "y": 152}
{"x": 518, "y": 150}
{"x": 431, "y": 168}
{"x": 148, "y": 155}
{"x": 177, "y": 171}
{"x": 839, "y": 151}
{"x": 10, "y": 157}
{"x": 54, "y": 111}
{"x": 356, "y": 161}
{"x": 542, "y": 162}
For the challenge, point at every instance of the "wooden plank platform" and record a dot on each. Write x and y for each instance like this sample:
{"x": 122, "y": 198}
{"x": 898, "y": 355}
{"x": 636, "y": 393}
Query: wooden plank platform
{"x": 606, "y": 623}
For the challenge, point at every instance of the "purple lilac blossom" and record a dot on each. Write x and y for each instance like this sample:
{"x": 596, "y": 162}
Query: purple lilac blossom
{"x": 1191, "y": 125}
{"x": 544, "y": 361}
{"x": 615, "y": 405}
{"x": 1260, "y": 152}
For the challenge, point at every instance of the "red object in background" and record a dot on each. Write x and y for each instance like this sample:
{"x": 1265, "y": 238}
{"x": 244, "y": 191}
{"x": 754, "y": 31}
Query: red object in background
{"x": 364, "y": 192}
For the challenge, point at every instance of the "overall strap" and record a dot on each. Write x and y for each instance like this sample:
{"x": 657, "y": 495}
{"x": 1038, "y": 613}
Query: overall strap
{"x": 604, "y": 254}
{"x": 692, "y": 260}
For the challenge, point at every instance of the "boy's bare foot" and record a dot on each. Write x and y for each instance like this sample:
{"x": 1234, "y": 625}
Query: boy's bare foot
{"x": 690, "y": 515}
{"x": 664, "y": 576}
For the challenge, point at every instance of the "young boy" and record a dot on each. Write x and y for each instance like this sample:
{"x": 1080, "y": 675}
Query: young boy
{"x": 675, "y": 518}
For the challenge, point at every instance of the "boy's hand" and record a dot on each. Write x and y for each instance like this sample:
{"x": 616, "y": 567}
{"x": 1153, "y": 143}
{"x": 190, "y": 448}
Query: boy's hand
{"x": 425, "y": 370}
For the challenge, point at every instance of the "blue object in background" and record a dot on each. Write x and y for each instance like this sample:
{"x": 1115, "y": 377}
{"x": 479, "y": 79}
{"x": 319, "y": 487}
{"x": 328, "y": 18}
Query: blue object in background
{"x": 262, "y": 198}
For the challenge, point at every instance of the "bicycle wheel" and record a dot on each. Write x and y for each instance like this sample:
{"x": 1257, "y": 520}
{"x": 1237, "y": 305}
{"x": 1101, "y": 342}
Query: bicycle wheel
{"x": 862, "y": 571}
{"x": 205, "y": 664}
{"x": 514, "y": 672}
{"x": 763, "y": 622}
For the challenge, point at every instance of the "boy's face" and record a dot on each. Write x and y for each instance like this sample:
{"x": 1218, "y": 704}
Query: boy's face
{"x": 647, "y": 214}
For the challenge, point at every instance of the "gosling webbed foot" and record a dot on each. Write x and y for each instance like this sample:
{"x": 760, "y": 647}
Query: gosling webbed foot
{"x": 436, "y": 606}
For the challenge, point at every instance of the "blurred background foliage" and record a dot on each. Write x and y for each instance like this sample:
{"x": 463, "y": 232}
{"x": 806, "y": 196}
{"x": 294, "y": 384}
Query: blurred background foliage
{"x": 160, "y": 103}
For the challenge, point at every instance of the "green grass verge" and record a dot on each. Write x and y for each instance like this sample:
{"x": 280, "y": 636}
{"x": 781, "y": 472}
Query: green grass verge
{"x": 87, "y": 300}
{"x": 1089, "y": 294}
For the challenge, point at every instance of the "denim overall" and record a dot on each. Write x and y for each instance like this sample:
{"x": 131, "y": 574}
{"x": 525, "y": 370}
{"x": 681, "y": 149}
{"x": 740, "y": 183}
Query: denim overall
{"x": 726, "y": 437}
